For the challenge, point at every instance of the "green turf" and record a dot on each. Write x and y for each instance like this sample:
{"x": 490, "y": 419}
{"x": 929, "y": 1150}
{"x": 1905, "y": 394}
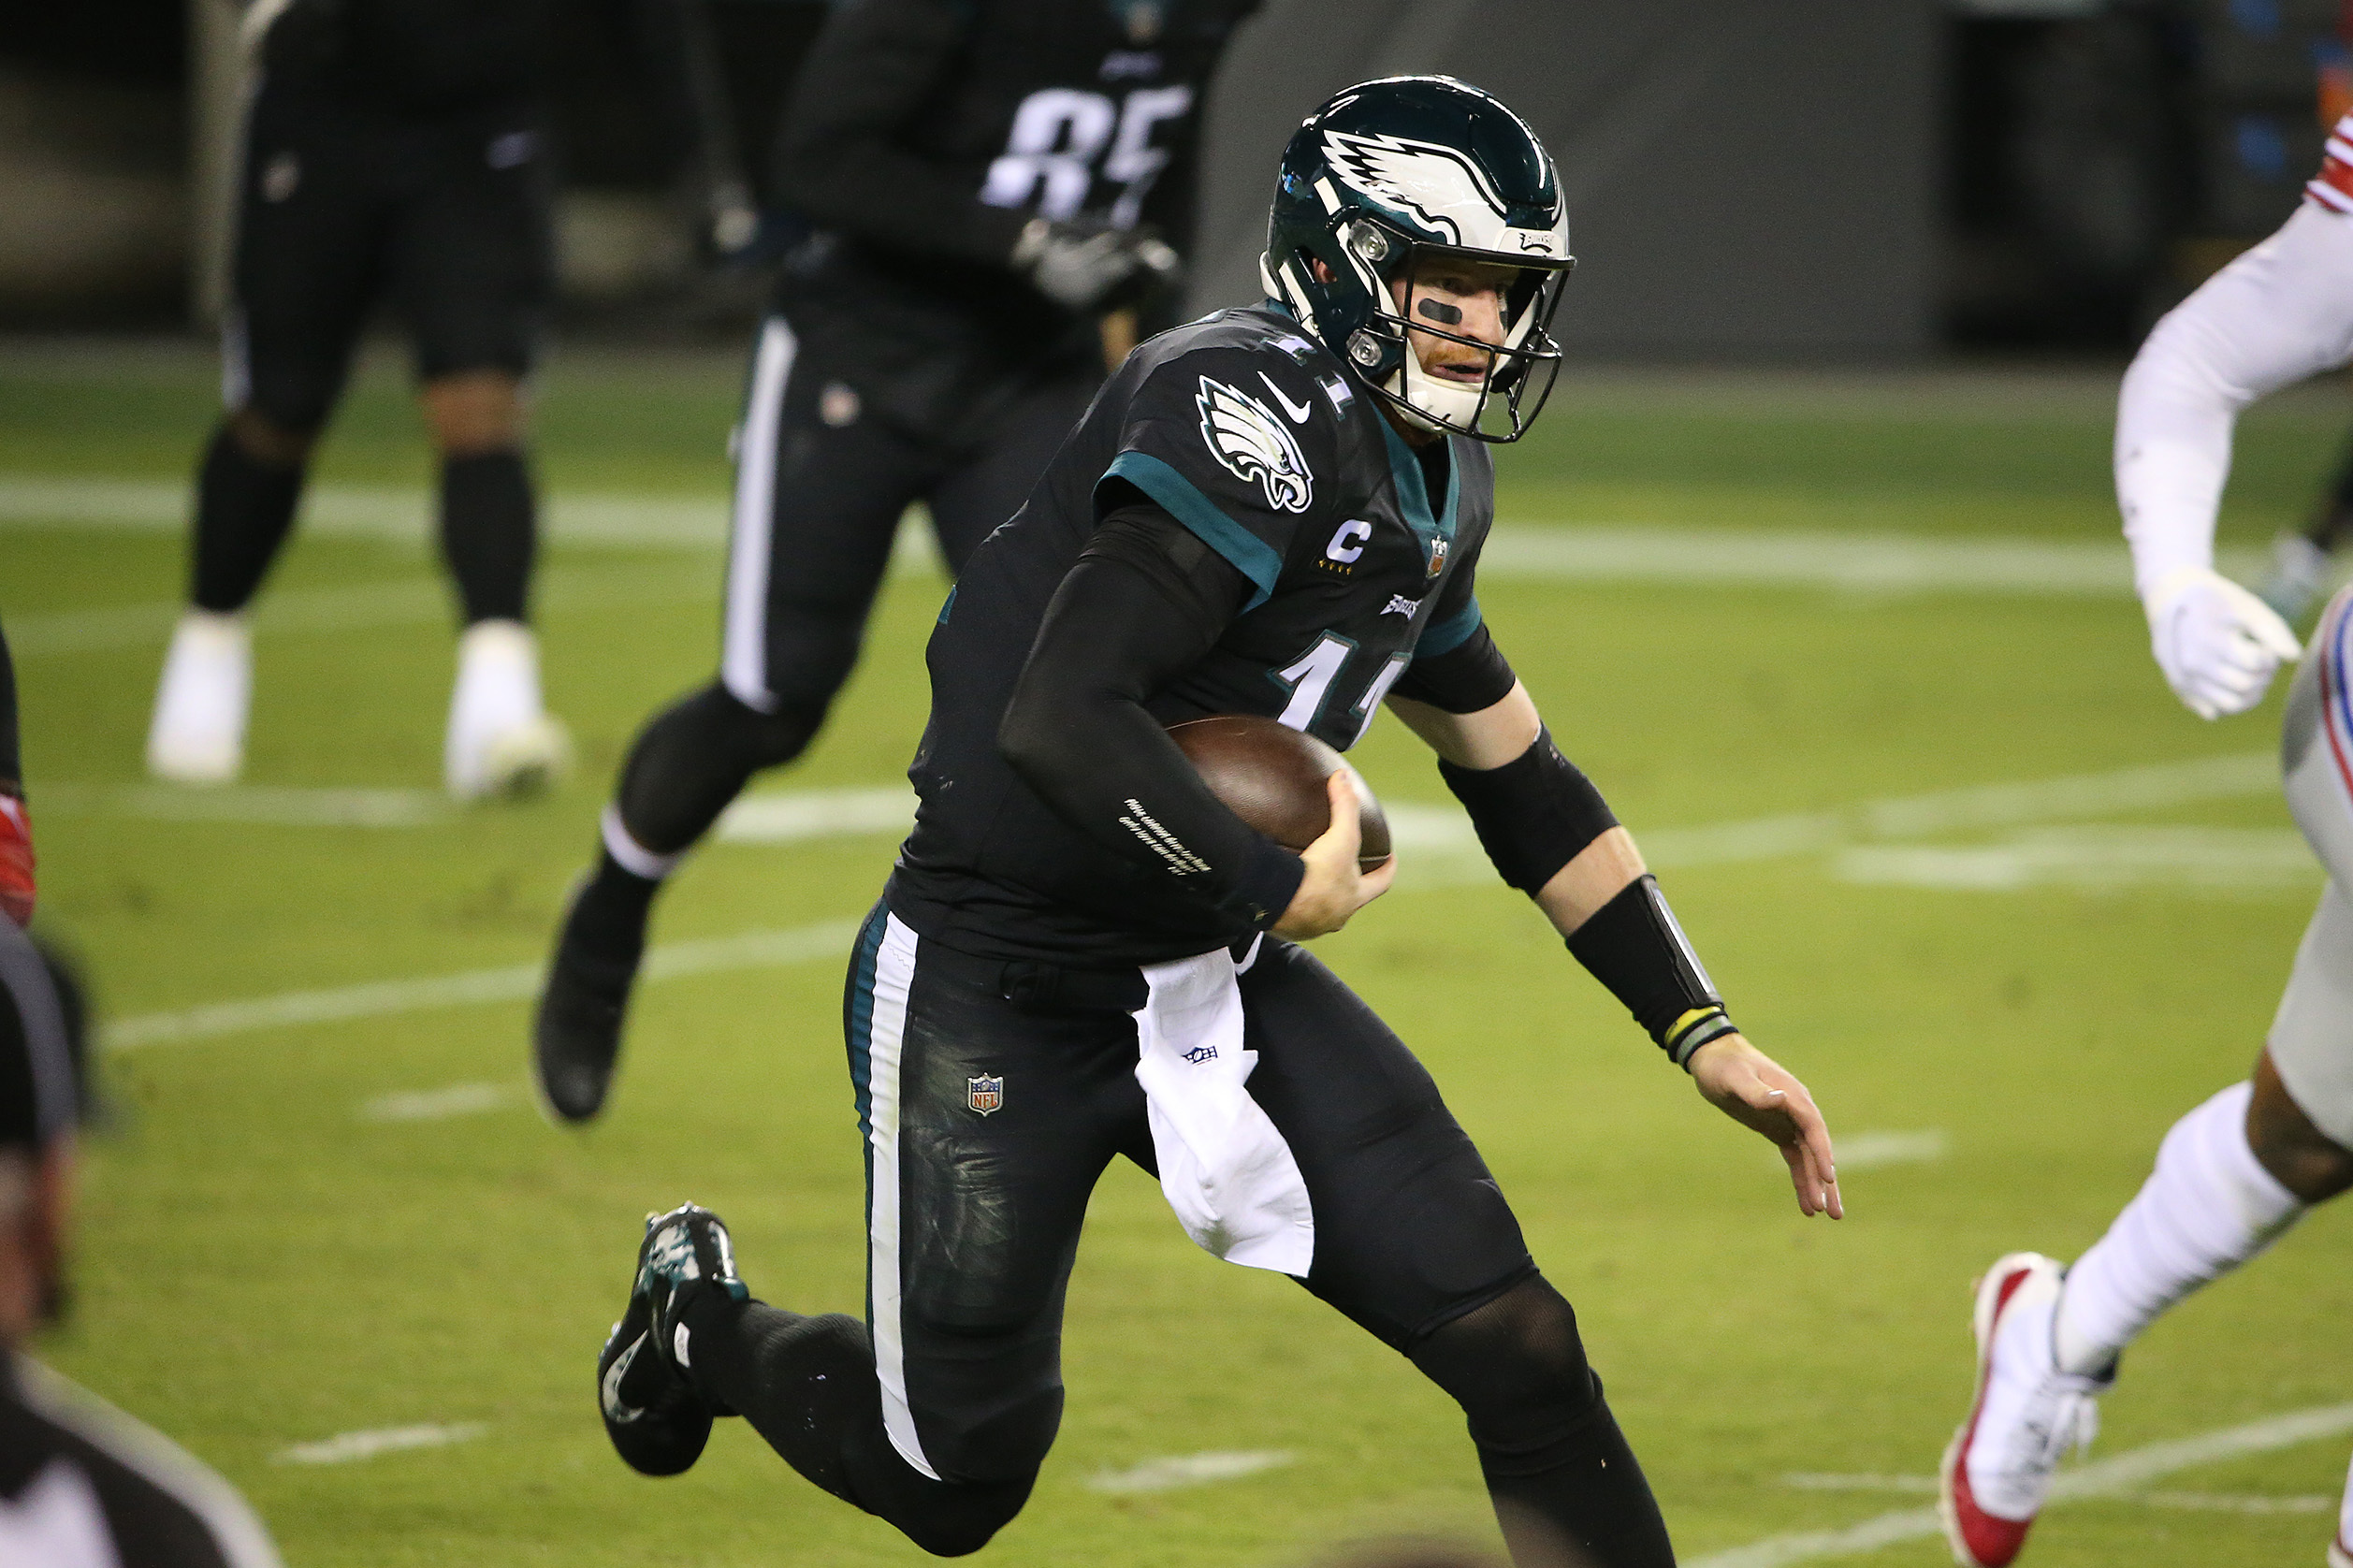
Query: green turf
{"x": 260, "y": 1266}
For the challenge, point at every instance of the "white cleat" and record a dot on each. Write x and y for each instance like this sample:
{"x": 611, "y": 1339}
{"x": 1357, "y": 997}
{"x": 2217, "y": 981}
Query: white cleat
{"x": 502, "y": 743}
{"x": 2026, "y": 1415}
{"x": 197, "y": 736}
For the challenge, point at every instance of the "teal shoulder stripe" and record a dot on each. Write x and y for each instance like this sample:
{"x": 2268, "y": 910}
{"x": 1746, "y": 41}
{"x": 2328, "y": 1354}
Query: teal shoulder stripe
{"x": 1251, "y": 556}
{"x": 1446, "y": 635}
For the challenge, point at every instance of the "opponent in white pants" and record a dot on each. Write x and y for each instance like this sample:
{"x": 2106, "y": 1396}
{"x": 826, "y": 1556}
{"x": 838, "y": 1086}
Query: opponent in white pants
{"x": 2239, "y": 1170}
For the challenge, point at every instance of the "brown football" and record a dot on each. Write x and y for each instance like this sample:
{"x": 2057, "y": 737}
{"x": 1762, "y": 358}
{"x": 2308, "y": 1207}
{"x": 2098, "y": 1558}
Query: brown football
{"x": 1271, "y": 777}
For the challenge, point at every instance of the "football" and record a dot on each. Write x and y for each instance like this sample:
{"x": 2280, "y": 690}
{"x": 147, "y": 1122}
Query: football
{"x": 1271, "y": 777}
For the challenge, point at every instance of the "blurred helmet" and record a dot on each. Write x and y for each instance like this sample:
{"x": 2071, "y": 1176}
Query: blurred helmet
{"x": 1389, "y": 176}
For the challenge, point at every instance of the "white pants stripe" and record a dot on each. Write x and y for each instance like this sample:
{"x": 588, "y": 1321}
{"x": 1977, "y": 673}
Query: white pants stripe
{"x": 744, "y": 645}
{"x": 894, "y": 973}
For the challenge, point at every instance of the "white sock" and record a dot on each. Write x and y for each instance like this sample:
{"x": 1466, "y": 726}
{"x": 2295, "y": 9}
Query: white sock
{"x": 198, "y": 734}
{"x": 2208, "y": 1207}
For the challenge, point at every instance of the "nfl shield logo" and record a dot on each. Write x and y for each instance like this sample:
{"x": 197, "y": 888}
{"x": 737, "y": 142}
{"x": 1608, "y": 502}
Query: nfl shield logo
{"x": 984, "y": 1094}
{"x": 1437, "y": 557}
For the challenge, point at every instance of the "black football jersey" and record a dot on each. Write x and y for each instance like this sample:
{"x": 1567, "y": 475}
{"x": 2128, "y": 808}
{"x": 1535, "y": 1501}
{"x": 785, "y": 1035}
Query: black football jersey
{"x": 1250, "y": 434}
{"x": 922, "y": 134}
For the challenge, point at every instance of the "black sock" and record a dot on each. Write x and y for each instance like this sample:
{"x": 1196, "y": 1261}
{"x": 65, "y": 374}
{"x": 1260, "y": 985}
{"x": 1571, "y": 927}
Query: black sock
{"x": 604, "y": 934}
{"x": 808, "y": 1385}
{"x": 1580, "y": 1484}
{"x": 489, "y": 532}
{"x": 694, "y": 758}
{"x": 244, "y": 508}
{"x": 1566, "y": 1486}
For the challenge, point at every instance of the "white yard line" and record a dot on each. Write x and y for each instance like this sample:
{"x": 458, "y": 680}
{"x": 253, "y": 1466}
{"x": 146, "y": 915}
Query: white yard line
{"x": 2120, "y": 1476}
{"x": 265, "y": 805}
{"x": 344, "y": 1447}
{"x": 440, "y": 1105}
{"x": 753, "y": 950}
{"x": 2092, "y": 857}
{"x": 559, "y": 591}
{"x": 2216, "y": 1503}
{"x": 1186, "y": 1470}
{"x": 1875, "y": 563}
{"x": 1868, "y": 1150}
{"x": 1449, "y": 849}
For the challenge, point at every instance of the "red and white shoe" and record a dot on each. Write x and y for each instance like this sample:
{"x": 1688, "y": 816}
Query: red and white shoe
{"x": 16, "y": 860}
{"x": 2026, "y": 1415}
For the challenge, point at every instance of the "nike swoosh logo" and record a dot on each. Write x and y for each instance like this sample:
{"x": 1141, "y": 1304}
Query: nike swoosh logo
{"x": 1298, "y": 412}
{"x": 615, "y": 1410}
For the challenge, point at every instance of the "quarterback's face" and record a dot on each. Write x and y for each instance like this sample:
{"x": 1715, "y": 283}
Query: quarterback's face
{"x": 1455, "y": 296}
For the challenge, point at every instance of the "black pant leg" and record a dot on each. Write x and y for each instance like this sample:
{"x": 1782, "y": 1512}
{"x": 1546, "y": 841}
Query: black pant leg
{"x": 986, "y": 1128}
{"x": 1415, "y": 1242}
{"x": 992, "y": 484}
{"x": 817, "y": 505}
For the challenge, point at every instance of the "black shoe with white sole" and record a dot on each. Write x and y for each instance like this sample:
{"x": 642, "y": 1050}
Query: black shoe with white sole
{"x": 657, "y": 1419}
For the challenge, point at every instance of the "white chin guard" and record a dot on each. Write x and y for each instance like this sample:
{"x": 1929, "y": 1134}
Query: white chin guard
{"x": 1426, "y": 401}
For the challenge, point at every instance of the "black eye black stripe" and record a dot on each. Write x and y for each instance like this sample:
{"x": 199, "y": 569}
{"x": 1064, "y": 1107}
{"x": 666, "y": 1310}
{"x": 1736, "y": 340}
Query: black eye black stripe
{"x": 1439, "y": 312}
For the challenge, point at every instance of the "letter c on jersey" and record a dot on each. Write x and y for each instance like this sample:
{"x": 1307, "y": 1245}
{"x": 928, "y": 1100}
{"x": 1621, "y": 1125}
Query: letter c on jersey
{"x": 1348, "y": 540}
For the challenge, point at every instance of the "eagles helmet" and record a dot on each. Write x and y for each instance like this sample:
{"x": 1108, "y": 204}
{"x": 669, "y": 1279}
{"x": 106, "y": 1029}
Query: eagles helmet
{"x": 1387, "y": 175}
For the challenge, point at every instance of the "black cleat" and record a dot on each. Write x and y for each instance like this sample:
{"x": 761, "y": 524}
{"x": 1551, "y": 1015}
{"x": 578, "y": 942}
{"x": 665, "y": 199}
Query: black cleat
{"x": 657, "y": 1419}
{"x": 576, "y": 1034}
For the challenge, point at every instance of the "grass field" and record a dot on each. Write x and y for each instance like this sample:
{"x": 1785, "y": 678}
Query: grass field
{"x": 342, "y": 1216}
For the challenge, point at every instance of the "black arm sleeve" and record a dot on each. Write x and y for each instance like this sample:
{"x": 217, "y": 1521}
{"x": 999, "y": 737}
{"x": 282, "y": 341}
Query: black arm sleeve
{"x": 838, "y": 156}
{"x": 1145, "y": 600}
{"x": 1465, "y": 680}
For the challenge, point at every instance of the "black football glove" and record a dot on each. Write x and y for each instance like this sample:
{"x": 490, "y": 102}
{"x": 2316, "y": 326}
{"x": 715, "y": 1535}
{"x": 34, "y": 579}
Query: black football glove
{"x": 1088, "y": 269}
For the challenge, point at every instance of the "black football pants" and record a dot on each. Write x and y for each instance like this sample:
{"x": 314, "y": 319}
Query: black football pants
{"x": 992, "y": 1103}
{"x": 821, "y": 483}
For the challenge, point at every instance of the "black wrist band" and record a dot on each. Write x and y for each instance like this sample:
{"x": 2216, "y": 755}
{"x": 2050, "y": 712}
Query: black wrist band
{"x": 1633, "y": 946}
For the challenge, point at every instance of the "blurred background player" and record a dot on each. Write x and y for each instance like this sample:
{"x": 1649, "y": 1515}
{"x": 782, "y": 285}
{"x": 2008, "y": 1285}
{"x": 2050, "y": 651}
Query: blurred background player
{"x": 393, "y": 152}
{"x": 996, "y": 187}
{"x": 16, "y": 823}
{"x": 81, "y": 1486}
{"x": 2241, "y": 1168}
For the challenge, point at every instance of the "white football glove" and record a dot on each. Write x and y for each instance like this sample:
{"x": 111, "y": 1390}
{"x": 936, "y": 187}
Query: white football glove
{"x": 2217, "y": 644}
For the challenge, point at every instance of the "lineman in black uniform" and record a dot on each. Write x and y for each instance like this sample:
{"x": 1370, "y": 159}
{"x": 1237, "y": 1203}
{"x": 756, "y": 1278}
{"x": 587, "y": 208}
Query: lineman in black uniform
{"x": 992, "y": 180}
{"x": 81, "y": 1486}
{"x": 1082, "y": 954}
{"x": 393, "y": 150}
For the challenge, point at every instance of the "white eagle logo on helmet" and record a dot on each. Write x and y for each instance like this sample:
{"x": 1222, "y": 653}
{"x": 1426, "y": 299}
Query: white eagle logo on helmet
{"x": 1249, "y": 440}
{"x": 1437, "y": 184}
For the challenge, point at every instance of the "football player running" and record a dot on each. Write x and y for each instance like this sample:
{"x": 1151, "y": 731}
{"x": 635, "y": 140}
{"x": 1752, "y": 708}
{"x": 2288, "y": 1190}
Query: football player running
{"x": 393, "y": 152}
{"x": 997, "y": 188}
{"x": 2241, "y": 1168}
{"x": 1082, "y": 954}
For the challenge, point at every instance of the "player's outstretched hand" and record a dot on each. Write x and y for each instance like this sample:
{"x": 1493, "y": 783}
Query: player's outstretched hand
{"x": 1757, "y": 1092}
{"x": 1334, "y": 888}
{"x": 2217, "y": 644}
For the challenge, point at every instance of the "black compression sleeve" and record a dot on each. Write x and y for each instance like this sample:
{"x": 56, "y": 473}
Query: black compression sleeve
{"x": 1533, "y": 814}
{"x": 1145, "y": 600}
{"x": 840, "y": 158}
{"x": 1463, "y": 679}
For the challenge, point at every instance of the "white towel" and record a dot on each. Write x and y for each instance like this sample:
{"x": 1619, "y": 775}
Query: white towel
{"x": 1226, "y": 1170}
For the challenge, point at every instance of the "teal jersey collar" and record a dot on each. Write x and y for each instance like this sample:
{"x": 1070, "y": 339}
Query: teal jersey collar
{"x": 1413, "y": 492}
